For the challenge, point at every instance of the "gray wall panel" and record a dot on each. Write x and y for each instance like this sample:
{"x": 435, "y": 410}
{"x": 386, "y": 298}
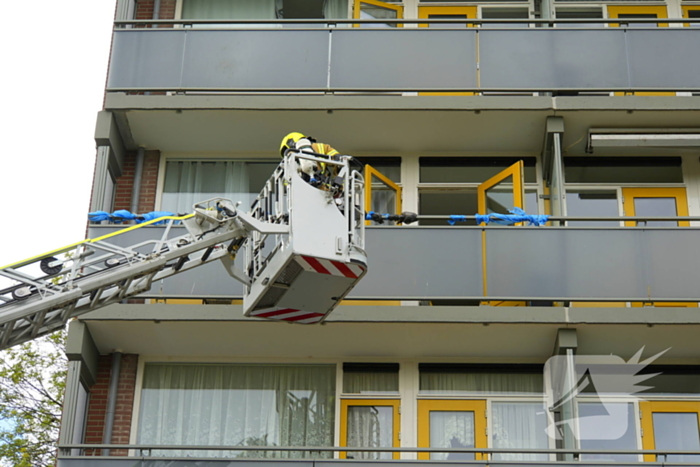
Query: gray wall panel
{"x": 412, "y": 263}
{"x": 403, "y": 59}
{"x": 256, "y": 59}
{"x": 673, "y": 263}
{"x": 146, "y": 59}
{"x": 552, "y": 58}
{"x": 664, "y": 57}
{"x": 575, "y": 263}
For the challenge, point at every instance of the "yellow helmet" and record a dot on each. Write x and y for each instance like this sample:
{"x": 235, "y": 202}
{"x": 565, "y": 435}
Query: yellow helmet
{"x": 289, "y": 141}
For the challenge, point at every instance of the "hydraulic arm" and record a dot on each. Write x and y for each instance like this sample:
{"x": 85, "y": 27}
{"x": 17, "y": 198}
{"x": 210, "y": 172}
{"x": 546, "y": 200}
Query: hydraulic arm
{"x": 313, "y": 258}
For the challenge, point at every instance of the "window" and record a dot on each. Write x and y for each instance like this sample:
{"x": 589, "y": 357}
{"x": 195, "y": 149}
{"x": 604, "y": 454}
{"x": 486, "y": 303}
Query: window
{"x": 439, "y": 378}
{"x": 579, "y": 13}
{"x": 677, "y": 380}
{"x": 448, "y": 185}
{"x": 237, "y": 404}
{"x": 376, "y": 9}
{"x": 470, "y": 169}
{"x": 671, "y": 426}
{"x": 382, "y": 195}
{"x": 592, "y": 203}
{"x": 371, "y": 424}
{"x": 641, "y": 12}
{"x": 191, "y": 181}
{"x": 446, "y": 12}
{"x": 607, "y": 426}
{"x": 519, "y": 425}
{"x": 505, "y": 13}
{"x": 455, "y": 1}
{"x": 371, "y": 378}
{"x": 623, "y": 170}
{"x": 455, "y": 424}
{"x": 692, "y": 12}
{"x": 264, "y": 9}
{"x": 390, "y": 167}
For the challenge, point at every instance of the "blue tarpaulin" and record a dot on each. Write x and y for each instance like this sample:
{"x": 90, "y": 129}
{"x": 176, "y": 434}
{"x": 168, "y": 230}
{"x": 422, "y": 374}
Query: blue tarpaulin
{"x": 516, "y": 215}
{"x": 123, "y": 215}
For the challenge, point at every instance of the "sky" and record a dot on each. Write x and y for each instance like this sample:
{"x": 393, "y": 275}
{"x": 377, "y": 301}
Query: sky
{"x": 54, "y": 67}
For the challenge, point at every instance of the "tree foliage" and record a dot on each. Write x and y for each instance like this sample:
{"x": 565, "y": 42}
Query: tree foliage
{"x": 32, "y": 382}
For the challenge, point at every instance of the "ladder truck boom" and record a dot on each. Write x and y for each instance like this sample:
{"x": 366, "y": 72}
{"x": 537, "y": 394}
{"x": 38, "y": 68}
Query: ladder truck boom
{"x": 313, "y": 258}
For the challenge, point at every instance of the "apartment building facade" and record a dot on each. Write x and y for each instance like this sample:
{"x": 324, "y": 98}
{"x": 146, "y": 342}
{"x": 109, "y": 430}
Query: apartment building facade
{"x": 460, "y": 335}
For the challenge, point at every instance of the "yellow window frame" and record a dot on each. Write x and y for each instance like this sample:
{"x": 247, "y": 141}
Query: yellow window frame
{"x": 630, "y": 194}
{"x": 614, "y": 11}
{"x": 648, "y": 408}
{"x": 679, "y": 194}
{"x": 686, "y": 9}
{"x": 346, "y": 403}
{"x": 357, "y": 8}
{"x": 370, "y": 172}
{"x": 426, "y": 406}
{"x": 517, "y": 172}
{"x": 424, "y": 12}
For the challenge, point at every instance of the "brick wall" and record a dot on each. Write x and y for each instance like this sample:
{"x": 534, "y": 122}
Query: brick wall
{"x": 167, "y": 9}
{"x": 144, "y": 9}
{"x": 97, "y": 407}
{"x": 149, "y": 181}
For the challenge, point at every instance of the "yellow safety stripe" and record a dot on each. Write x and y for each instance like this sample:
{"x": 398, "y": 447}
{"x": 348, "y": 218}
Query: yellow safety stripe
{"x": 88, "y": 240}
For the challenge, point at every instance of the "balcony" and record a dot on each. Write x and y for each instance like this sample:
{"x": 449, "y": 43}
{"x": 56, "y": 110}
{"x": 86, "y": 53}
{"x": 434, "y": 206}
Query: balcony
{"x": 636, "y": 264}
{"x": 185, "y": 89}
{"x": 318, "y": 57}
{"x": 564, "y": 457}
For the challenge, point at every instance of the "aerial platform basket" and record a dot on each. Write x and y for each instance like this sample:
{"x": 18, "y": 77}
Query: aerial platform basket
{"x": 301, "y": 277}
{"x": 304, "y": 252}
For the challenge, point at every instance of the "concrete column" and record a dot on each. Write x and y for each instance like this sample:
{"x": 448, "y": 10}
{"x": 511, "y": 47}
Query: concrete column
{"x": 563, "y": 397}
{"x": 100, "y": 181}
{"x": 70, "y": 406}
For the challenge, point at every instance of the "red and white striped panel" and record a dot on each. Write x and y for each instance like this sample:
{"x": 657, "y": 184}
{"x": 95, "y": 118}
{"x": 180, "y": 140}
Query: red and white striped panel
{"x": 289, "y": 314}
{"x": 327, "y": 266}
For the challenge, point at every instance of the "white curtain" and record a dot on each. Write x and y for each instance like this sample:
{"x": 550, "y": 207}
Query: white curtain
{"x": 188, "y": 182}
{"x": 238, "y": 405}
{"x": 452, "y": 430}
{"x": 383, "y": 200}
{"x": 371, "y": 427}
{"x": 470, "y": 383}
{"x": 228, "y": 9}
{"x": 362, "y": 383}
{"x": 335, "y": 9}
{"x": 519, "y": 425}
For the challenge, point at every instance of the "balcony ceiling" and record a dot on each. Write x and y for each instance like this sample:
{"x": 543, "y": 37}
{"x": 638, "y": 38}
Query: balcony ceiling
{"x": 360, "y": 124}
{"x": 397, "y": 332}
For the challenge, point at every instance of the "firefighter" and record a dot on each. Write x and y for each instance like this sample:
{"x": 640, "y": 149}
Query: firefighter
{"x": 317, "y": 174}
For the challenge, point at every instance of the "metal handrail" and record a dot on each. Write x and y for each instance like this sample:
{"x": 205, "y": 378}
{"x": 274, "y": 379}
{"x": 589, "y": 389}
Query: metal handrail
{"x": 200, "y": 447}
{"x": 588, "y": 218}
{"x": 405, "y": 21}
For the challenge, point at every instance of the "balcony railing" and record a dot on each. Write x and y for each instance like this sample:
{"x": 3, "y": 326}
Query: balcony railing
{"x": 295, "y": 56}
{"x": 637, "y": 264}
{"x": 141, "y": 457}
